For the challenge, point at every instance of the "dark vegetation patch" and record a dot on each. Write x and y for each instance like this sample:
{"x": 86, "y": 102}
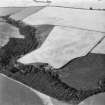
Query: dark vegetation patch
{"x": 46, "y": 81}
{"x": 84, "y": 72}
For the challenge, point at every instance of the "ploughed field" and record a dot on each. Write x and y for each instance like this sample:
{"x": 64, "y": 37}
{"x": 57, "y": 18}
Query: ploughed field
{"x": 80, "y": 78}
{"x": 10, "y": 10}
